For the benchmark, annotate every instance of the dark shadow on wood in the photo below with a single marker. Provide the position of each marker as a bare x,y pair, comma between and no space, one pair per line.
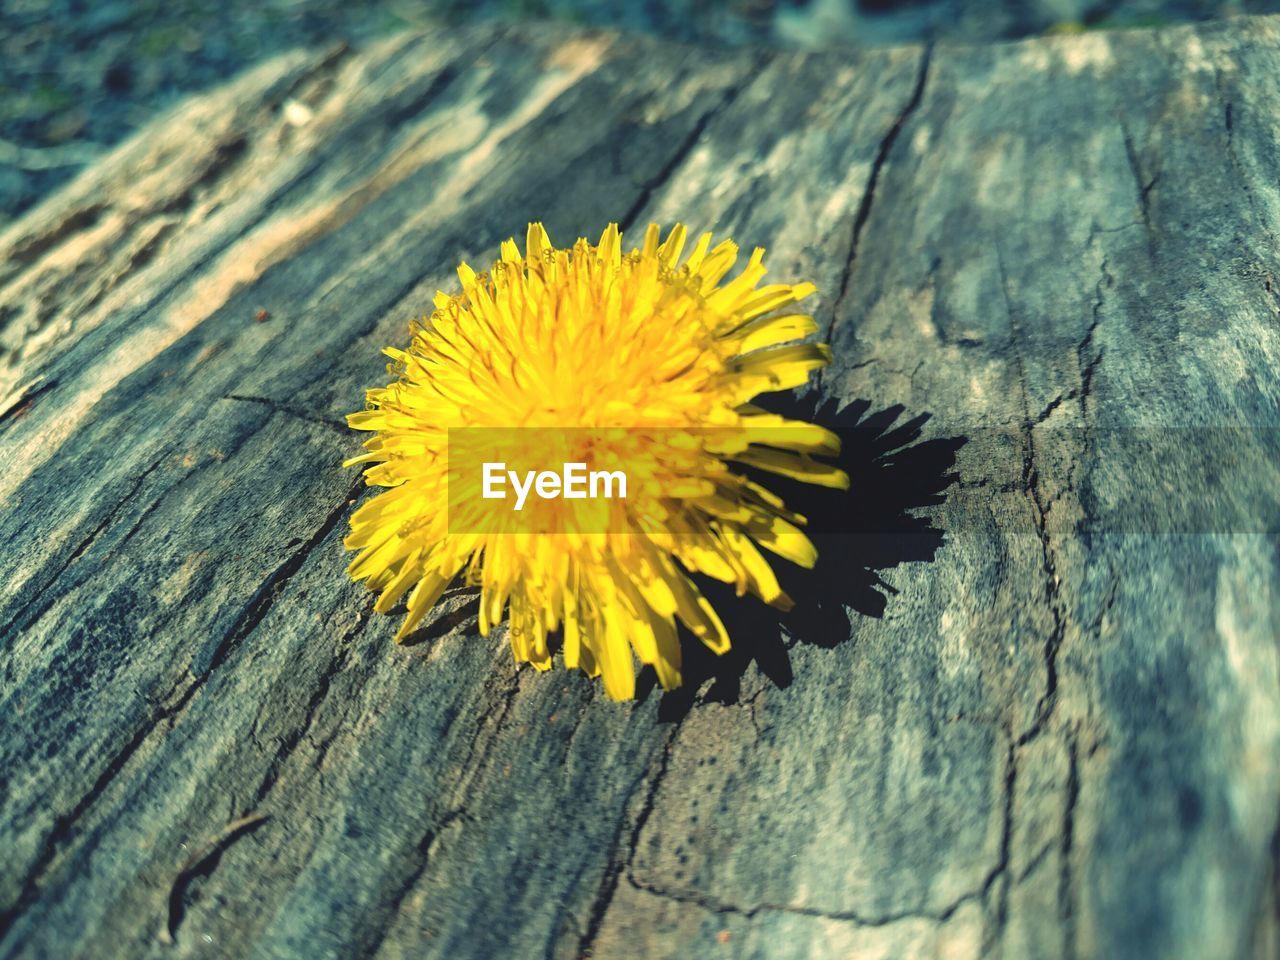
859,533
446,621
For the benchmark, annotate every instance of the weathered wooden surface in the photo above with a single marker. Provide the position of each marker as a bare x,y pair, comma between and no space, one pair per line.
1048,724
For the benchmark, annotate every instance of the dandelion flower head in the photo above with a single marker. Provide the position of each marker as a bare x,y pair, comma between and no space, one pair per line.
635,359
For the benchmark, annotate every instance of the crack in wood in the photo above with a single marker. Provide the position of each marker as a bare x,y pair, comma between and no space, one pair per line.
1145,185
380,929
1089,367
1242,178
1066,888
998,913
229,150
1031,486
32,247
293,411
202,863
1036,860
682,151
863,213
244,624
24,402
30,612
234,144
208,658
714,905
619,866
289,743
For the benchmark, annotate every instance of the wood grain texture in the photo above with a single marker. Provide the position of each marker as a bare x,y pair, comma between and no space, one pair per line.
1037,717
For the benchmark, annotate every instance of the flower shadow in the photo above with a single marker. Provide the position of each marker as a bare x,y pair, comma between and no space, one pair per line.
859,533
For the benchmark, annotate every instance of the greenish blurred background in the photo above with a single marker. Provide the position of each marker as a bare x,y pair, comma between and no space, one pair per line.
77,77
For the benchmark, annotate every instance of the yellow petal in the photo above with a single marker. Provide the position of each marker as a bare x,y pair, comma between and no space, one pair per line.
797,467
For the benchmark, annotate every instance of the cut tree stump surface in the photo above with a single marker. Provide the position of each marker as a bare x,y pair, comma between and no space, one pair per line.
1038,717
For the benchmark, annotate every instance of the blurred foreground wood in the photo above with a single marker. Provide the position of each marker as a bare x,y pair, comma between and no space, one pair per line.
1039,717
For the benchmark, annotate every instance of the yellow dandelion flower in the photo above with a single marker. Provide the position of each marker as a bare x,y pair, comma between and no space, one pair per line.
630,361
